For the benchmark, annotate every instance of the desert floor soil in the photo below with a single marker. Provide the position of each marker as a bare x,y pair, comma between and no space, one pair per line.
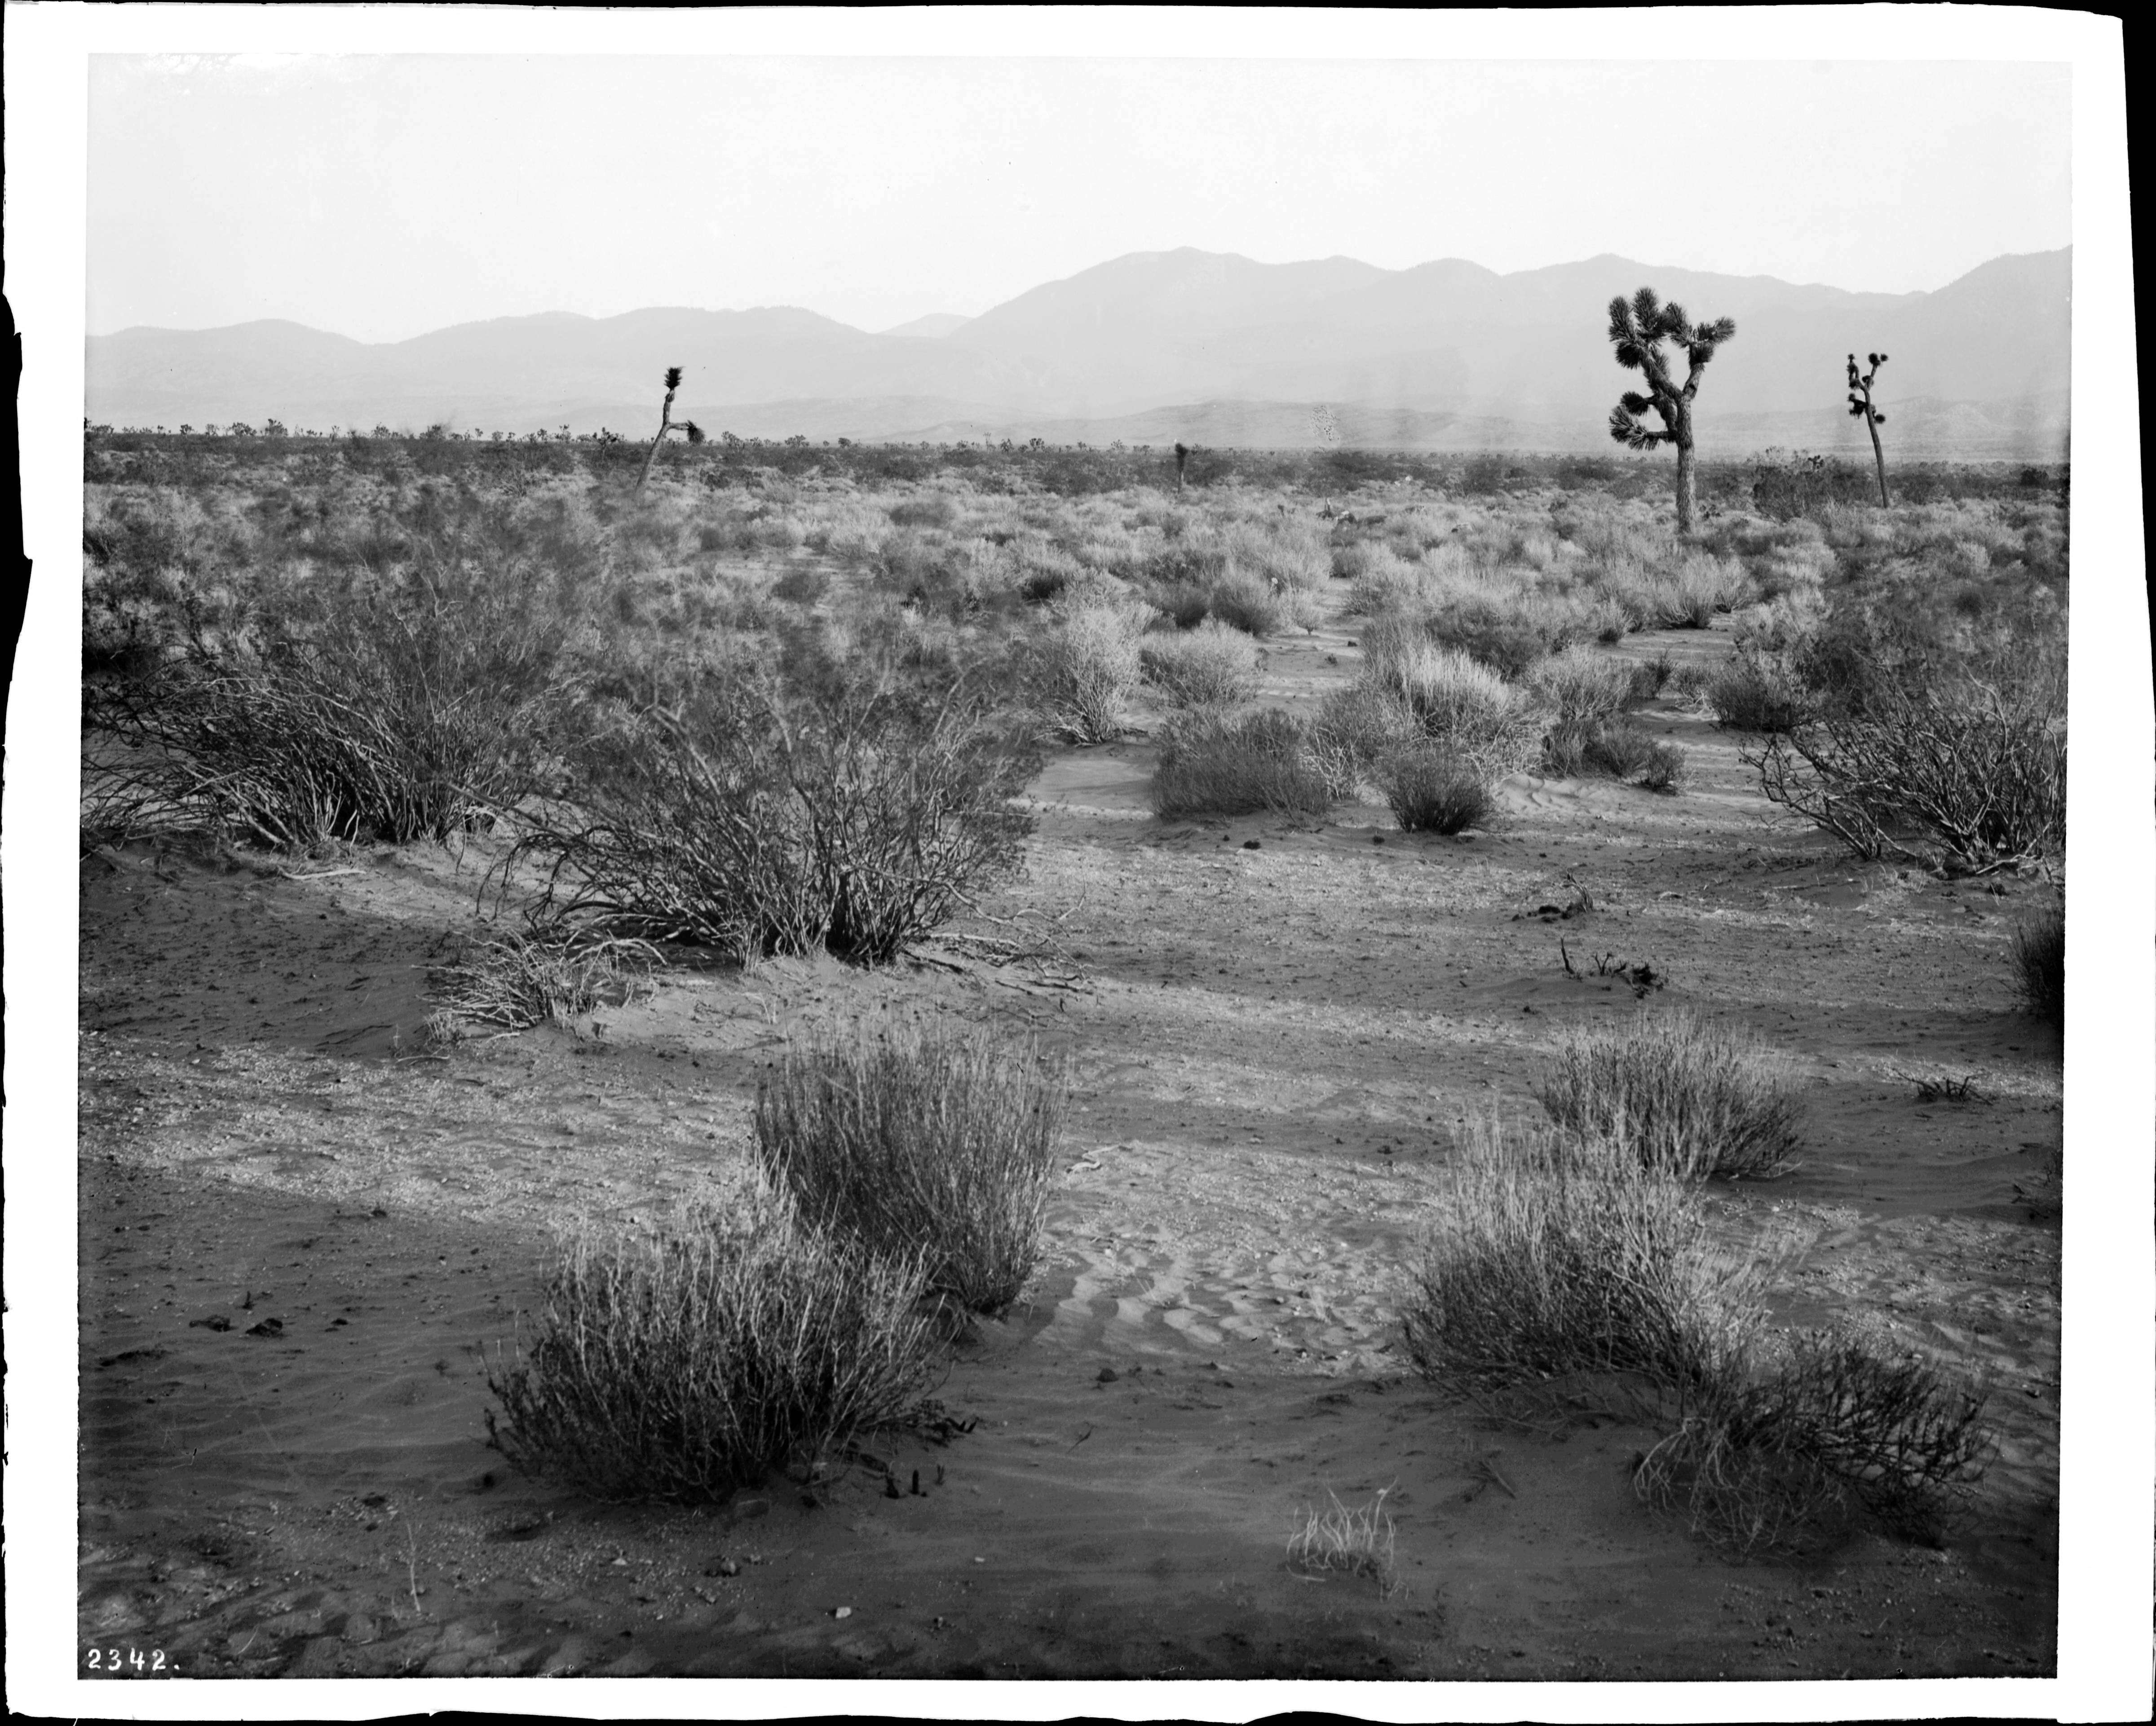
303,1241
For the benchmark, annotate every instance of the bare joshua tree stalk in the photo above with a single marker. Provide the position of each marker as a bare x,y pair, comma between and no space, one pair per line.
1639,328
1873,418
666,423
1181,455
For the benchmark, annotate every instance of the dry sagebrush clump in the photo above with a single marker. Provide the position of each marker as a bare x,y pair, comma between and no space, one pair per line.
1556,1268
2040,963
1691,1098
850,816
1430,789
679,1364
1210,764
1211,665
937,1143
1090,668
1546,1254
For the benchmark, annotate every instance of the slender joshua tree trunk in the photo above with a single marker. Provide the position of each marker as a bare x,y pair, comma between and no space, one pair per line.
665,418
1687,481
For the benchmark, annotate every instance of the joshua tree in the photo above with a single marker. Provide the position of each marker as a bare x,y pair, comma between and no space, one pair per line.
1639,328
1181,455
666,424
1873,418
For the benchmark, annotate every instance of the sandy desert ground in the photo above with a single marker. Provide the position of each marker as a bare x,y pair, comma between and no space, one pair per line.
301,1237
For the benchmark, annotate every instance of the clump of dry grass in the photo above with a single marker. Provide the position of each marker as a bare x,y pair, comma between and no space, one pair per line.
1456,699
1691,1099
1547,1254
2039,958
1824,1432
1341,1541
681,1365
517,981
941,1144
1090,668
1430,789
1209,666
1582,686
1212,765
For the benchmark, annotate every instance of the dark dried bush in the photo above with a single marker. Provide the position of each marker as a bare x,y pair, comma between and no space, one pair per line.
1209,764
850,815
1430,789
2039,958
408,711
1953,771
939,1144
680,1365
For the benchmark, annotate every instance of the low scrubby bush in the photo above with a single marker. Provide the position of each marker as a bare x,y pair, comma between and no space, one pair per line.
1212,765
2040,961
1664,769
849,816
1547,1254
1090,669
408,711
1430,789
1951,770
1357,728
1823,1433
1209,666
1616,747
1756,692
1582,685
1692,1100
680,1365
938,1144
1245,601
1552,1263
1488,722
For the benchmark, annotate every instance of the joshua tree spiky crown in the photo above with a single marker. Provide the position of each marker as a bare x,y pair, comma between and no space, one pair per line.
693,432
1860,408
1638,326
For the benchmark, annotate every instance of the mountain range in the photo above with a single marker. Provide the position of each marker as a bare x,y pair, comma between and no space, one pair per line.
1157,347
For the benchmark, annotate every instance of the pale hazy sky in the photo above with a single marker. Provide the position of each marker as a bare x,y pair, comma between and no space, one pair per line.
381,197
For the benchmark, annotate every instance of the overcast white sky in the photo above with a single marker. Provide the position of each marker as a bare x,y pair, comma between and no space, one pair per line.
381,197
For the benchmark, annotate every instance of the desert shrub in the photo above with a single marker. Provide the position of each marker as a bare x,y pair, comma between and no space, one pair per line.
408,711
2040,961
1648,678
1508,642
1245,601
1756,692
1583,685
1355,729
1284,554
848,815
1823,1432
1212,665
1951,770
1456,700
1184,604
680,1365
520,980
941,1144
1615,747
1691,1099
1430,789
1212,765
1546,1255
1090,669
1665,768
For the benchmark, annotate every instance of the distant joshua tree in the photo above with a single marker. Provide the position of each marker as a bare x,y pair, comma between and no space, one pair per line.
665,424
1873,418
1181,456
1639,328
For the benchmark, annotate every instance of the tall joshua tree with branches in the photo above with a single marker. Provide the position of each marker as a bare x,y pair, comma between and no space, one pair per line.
1638,326
1860,403
694,431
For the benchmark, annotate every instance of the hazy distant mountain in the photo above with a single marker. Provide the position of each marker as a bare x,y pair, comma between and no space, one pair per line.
935,326
1159,346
